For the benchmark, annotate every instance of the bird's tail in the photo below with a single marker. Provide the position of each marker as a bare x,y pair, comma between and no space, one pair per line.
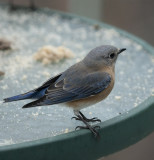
33,94
20,97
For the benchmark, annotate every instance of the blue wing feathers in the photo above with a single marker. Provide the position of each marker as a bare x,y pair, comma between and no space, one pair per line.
64,88
80,89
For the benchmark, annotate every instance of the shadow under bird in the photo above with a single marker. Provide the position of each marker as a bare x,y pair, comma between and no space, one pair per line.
83,84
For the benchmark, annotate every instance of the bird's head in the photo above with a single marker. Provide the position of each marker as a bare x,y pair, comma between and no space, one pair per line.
105,55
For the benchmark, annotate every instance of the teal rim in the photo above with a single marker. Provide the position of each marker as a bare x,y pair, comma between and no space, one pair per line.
116,133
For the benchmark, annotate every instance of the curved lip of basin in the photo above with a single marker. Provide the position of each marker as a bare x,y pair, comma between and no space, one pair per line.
116,133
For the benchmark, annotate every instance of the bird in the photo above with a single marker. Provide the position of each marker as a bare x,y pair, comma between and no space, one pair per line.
81,85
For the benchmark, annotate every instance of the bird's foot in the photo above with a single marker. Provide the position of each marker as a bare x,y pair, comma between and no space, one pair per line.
92,129
82,118
95,119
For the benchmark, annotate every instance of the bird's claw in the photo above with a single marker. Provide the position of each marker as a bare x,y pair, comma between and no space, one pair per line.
92,129
95,119
85,120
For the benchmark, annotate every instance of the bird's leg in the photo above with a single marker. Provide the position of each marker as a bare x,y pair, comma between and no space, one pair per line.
88,126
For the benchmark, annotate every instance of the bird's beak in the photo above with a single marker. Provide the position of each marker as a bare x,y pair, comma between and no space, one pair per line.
121,50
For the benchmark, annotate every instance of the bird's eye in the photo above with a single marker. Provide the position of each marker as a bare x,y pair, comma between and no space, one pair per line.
112,55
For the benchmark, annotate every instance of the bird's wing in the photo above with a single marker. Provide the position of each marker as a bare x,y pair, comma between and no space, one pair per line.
66,90
49,82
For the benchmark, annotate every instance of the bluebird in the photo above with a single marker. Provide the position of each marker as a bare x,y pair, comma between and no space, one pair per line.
83,84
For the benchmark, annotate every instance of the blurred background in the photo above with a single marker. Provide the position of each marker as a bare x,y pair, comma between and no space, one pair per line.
134,16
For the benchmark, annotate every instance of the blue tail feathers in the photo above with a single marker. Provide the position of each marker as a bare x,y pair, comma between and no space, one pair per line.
19,97
36,93
29,95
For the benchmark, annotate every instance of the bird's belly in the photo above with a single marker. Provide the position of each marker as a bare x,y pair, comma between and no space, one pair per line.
82,103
